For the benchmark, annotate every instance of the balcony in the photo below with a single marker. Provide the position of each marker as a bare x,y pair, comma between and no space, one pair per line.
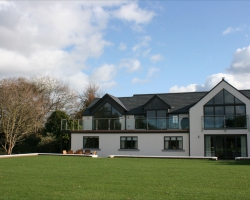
225,122
126,124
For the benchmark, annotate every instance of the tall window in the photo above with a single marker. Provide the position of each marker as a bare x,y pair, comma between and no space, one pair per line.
157,119
107,118
107,111
129,143
91,142
224,110
173,142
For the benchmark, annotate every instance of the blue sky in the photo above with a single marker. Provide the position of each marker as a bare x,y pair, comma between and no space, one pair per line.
128,47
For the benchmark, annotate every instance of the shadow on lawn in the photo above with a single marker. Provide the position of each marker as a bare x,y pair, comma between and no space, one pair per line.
233,162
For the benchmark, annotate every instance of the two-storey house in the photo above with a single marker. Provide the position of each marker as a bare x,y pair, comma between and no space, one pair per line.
213,123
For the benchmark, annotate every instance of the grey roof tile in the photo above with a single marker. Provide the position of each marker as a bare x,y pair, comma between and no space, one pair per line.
180,102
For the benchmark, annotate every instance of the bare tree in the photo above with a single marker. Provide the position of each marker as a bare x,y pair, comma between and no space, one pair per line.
89,94
57,95
21,111
92,91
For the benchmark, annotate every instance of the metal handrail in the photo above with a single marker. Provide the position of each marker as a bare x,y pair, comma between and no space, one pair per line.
148,123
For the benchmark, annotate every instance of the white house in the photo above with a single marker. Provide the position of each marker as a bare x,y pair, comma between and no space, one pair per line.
213,123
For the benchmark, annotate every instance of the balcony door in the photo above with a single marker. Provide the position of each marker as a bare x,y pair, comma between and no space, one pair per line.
225,146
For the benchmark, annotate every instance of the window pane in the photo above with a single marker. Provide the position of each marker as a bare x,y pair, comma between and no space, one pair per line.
129,142
161,113
219,122
173,144
173,138
237,101
240,110
179,138
166,144
209,110
134,144
211,102
90,142
208,122
229,98
219,110
115,113
230,122
209,146
229,110
167,138
107,107
179,144
218,99
151,113
107,111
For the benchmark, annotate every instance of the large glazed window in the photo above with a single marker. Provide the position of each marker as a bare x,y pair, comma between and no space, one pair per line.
224,111
226,146
129,143
173,142
107,111
107,118
91,142
157,119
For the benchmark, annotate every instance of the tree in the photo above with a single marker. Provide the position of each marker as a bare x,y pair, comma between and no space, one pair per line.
53,124
21,111
57,95
89,94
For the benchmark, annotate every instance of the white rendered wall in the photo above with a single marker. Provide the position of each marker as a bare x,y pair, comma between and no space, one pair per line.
196,112
87,122
130,122
149,144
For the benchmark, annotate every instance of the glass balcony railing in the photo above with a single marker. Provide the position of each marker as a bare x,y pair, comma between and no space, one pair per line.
125,124
225,122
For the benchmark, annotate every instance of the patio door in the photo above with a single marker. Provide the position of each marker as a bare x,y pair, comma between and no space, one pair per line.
225,146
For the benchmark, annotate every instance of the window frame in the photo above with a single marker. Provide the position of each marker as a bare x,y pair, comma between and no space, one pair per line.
126,144
217,120
94,146
170,146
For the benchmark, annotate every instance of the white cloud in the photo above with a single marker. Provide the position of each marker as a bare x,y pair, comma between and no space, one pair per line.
241,61
57,37
144,42
230,30
140,81
122,46
189,88
156,57
104,73
131,64
131,12
152,71
237,75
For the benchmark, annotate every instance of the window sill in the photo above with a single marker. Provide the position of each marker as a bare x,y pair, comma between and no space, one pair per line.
97,149
227,128
173,150
128,149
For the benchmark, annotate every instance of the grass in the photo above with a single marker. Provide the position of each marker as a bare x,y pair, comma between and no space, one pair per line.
56,177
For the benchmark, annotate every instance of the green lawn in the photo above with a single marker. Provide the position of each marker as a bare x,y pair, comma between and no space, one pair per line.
65,177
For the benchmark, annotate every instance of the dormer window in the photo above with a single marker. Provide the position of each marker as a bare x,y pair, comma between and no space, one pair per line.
107,111
107,118
157,119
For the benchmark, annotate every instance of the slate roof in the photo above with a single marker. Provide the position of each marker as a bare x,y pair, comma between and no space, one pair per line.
180,102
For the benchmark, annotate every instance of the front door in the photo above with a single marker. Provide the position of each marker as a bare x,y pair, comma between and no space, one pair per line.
225,146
